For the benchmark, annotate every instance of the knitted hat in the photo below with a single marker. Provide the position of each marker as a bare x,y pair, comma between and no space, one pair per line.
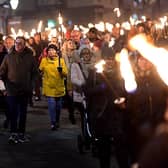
53,47
82,47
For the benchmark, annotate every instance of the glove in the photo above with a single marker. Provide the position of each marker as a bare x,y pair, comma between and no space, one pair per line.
59,69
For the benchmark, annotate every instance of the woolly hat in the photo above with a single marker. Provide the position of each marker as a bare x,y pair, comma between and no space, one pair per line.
53,47
82,47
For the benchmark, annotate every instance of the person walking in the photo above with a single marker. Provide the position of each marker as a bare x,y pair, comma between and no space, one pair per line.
107,115
69,52
18,71
54,70
146,106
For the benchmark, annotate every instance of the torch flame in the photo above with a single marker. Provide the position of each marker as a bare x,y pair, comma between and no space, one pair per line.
60,19
126,72
117,10
158,56
39,26
99,66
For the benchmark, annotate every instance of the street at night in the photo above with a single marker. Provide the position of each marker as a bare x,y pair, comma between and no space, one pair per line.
83,84
46,148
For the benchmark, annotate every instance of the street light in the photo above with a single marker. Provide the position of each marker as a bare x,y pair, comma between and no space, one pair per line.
7,5
14,4
10,4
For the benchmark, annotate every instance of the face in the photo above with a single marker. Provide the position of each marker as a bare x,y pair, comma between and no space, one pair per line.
110,62
9,43
31,41
140,29
19,45
144,64
70,44
116,32
75,35
107,37
37,38
52,53
54,40
85,54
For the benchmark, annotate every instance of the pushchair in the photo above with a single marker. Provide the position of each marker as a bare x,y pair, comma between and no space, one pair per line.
101,147
87,141
85,138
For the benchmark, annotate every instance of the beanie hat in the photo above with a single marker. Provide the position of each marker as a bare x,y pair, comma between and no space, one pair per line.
53,47
82,47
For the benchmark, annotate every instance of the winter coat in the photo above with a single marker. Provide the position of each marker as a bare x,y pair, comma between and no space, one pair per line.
52,80
148,102
19,71
78,81
146,107
106,119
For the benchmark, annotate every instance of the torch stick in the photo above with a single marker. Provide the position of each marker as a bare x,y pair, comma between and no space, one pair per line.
99,67
60,21
59,54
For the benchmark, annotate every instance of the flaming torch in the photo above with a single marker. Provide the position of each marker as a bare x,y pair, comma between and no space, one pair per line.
39,26
99,66
119,100
158,56
60,21
126,72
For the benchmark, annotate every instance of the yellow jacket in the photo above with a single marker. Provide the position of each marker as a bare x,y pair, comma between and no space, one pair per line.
52,80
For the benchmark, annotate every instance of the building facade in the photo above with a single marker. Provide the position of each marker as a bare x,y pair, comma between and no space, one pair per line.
73,11
30,12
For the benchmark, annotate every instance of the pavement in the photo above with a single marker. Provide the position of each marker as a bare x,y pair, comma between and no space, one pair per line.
46,148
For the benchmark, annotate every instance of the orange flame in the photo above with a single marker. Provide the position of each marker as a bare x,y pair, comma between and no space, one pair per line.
158,56
99,66
126,72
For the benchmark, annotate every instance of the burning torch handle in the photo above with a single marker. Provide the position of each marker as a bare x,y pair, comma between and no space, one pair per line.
119,100
59,55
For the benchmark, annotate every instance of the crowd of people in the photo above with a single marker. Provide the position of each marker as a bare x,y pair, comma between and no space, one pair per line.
65,70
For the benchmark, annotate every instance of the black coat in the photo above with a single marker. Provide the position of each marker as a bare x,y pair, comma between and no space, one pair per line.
148,102
106,119
155,153
19,71
146,107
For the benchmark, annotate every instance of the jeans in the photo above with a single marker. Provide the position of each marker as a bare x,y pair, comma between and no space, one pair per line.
18,113
54,107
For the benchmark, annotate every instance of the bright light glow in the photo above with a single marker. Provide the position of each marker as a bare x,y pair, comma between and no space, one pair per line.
90,25
14,34
99,66
100,26
111,42
20,32
39,26
109,26
127,72
158,56
14,4
117,10
60,19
